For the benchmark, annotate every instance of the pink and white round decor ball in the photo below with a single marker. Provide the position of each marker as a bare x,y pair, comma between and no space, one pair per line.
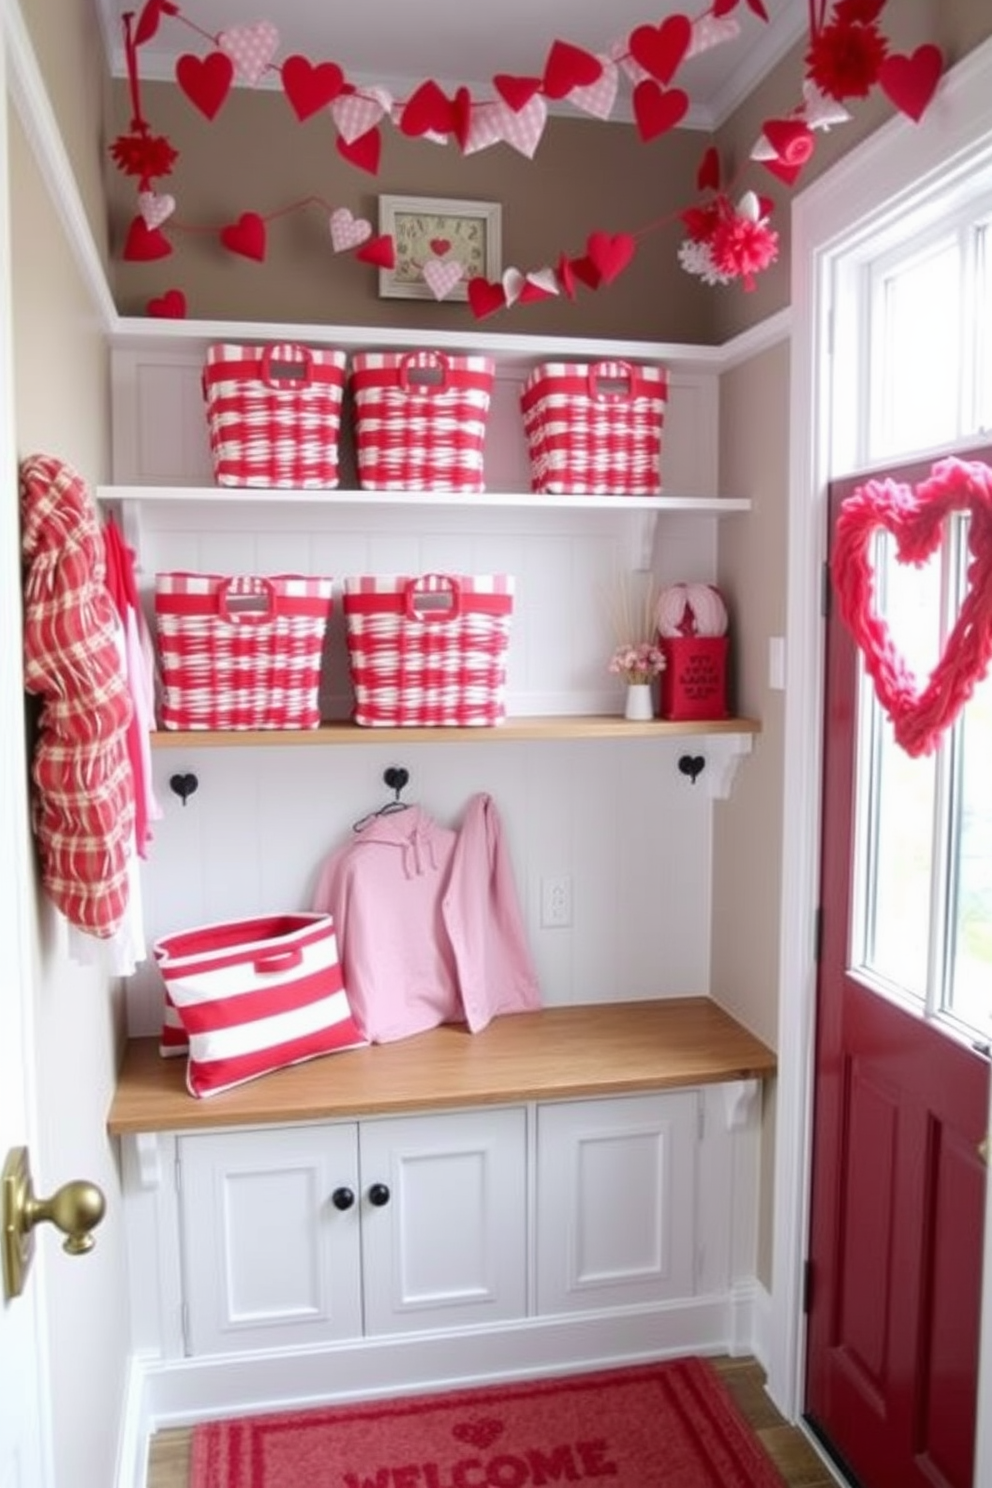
691,610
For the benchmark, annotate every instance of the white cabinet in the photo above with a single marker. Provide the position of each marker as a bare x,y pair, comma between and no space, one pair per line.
306,1234
616,1201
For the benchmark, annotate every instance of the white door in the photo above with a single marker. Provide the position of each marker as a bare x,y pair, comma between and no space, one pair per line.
23,1459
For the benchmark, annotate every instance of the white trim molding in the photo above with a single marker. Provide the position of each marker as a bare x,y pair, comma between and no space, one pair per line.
902,170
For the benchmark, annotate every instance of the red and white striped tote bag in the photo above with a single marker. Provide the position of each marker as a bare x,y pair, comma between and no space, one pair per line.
420,419
274,414
428,650
240,652
256,995
595,428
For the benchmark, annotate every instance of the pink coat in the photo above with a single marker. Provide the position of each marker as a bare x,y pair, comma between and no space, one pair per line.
428,923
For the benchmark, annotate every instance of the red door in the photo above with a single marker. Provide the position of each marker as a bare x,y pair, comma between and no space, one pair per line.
898,1183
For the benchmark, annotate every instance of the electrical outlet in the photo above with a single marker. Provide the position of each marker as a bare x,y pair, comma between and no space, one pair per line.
556,902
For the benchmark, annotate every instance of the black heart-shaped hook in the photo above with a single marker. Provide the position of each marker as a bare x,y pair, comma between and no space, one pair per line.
184,786
692,765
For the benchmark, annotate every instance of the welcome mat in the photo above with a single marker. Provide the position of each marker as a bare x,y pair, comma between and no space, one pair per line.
671,1424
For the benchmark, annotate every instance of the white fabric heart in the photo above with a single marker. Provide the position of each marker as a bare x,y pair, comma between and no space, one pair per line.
762,150
513,283
598,98
356,113
347,231
155,209
821,111
441,276
544,279
250,48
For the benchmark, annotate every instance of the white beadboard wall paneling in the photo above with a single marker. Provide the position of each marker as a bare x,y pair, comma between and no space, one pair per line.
622,823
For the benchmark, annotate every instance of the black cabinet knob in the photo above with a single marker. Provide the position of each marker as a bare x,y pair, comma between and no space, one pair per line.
342,1198
378,1195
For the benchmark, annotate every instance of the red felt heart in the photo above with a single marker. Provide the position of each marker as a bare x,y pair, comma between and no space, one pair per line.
708,175
791,139
206,81
428,110
586,272
569,67
530,291
657,110
169,306
788,173
143,243
660,49
439,246
916,518
610,255
516,91
379,251
364,152
310,88
461,116
246,236
485,298
566,278
910,82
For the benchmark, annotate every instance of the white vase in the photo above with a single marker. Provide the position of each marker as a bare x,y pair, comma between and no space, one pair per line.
640,703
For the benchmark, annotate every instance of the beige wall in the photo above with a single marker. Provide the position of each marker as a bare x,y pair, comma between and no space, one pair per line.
69,49
61,408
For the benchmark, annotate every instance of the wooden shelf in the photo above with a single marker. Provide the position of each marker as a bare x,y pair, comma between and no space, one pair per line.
553,1054
549,729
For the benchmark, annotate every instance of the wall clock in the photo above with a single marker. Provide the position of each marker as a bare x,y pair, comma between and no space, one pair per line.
442,237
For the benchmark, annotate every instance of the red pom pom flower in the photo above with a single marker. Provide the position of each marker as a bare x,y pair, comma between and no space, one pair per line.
143,155
845,58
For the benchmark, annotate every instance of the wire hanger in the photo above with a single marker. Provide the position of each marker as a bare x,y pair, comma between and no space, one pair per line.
396,777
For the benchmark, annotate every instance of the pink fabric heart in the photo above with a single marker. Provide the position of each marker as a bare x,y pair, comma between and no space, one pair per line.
442,275
915,517
599,97
250,48
155,209
485,128
522,128
347,231
354,114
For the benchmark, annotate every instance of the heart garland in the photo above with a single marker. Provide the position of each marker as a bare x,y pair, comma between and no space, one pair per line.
916,520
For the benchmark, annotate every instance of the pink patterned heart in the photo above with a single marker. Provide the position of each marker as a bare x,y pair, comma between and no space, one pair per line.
356,113
916,518
442,275
154,208
522,128
599,97
347,231
250,48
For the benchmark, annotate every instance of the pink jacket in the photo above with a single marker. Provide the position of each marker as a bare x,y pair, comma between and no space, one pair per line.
428,923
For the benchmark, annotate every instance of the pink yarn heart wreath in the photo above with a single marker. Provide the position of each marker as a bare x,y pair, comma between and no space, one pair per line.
915,518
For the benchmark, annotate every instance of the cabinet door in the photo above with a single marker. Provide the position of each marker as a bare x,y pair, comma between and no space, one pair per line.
616,1201
447,1246
268,1257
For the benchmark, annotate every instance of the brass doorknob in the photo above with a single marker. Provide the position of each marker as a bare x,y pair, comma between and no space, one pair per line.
76,1209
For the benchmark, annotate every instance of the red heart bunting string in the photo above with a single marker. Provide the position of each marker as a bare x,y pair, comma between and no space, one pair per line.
848,56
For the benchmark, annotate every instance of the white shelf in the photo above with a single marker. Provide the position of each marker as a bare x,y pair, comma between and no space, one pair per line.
717,506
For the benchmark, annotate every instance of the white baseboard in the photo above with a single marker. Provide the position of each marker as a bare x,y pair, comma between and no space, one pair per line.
165,1393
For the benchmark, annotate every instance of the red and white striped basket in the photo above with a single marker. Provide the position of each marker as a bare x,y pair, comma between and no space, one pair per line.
274,414
420,419
240,652
594,428
256,995
428,650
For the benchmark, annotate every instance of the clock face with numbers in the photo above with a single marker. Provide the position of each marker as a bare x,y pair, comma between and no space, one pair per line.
459,240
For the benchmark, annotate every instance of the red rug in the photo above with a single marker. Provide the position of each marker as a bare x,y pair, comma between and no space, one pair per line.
671,1424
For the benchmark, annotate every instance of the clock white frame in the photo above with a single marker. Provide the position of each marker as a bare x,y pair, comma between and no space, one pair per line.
489,214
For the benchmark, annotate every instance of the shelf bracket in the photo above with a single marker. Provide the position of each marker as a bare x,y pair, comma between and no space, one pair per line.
715,766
